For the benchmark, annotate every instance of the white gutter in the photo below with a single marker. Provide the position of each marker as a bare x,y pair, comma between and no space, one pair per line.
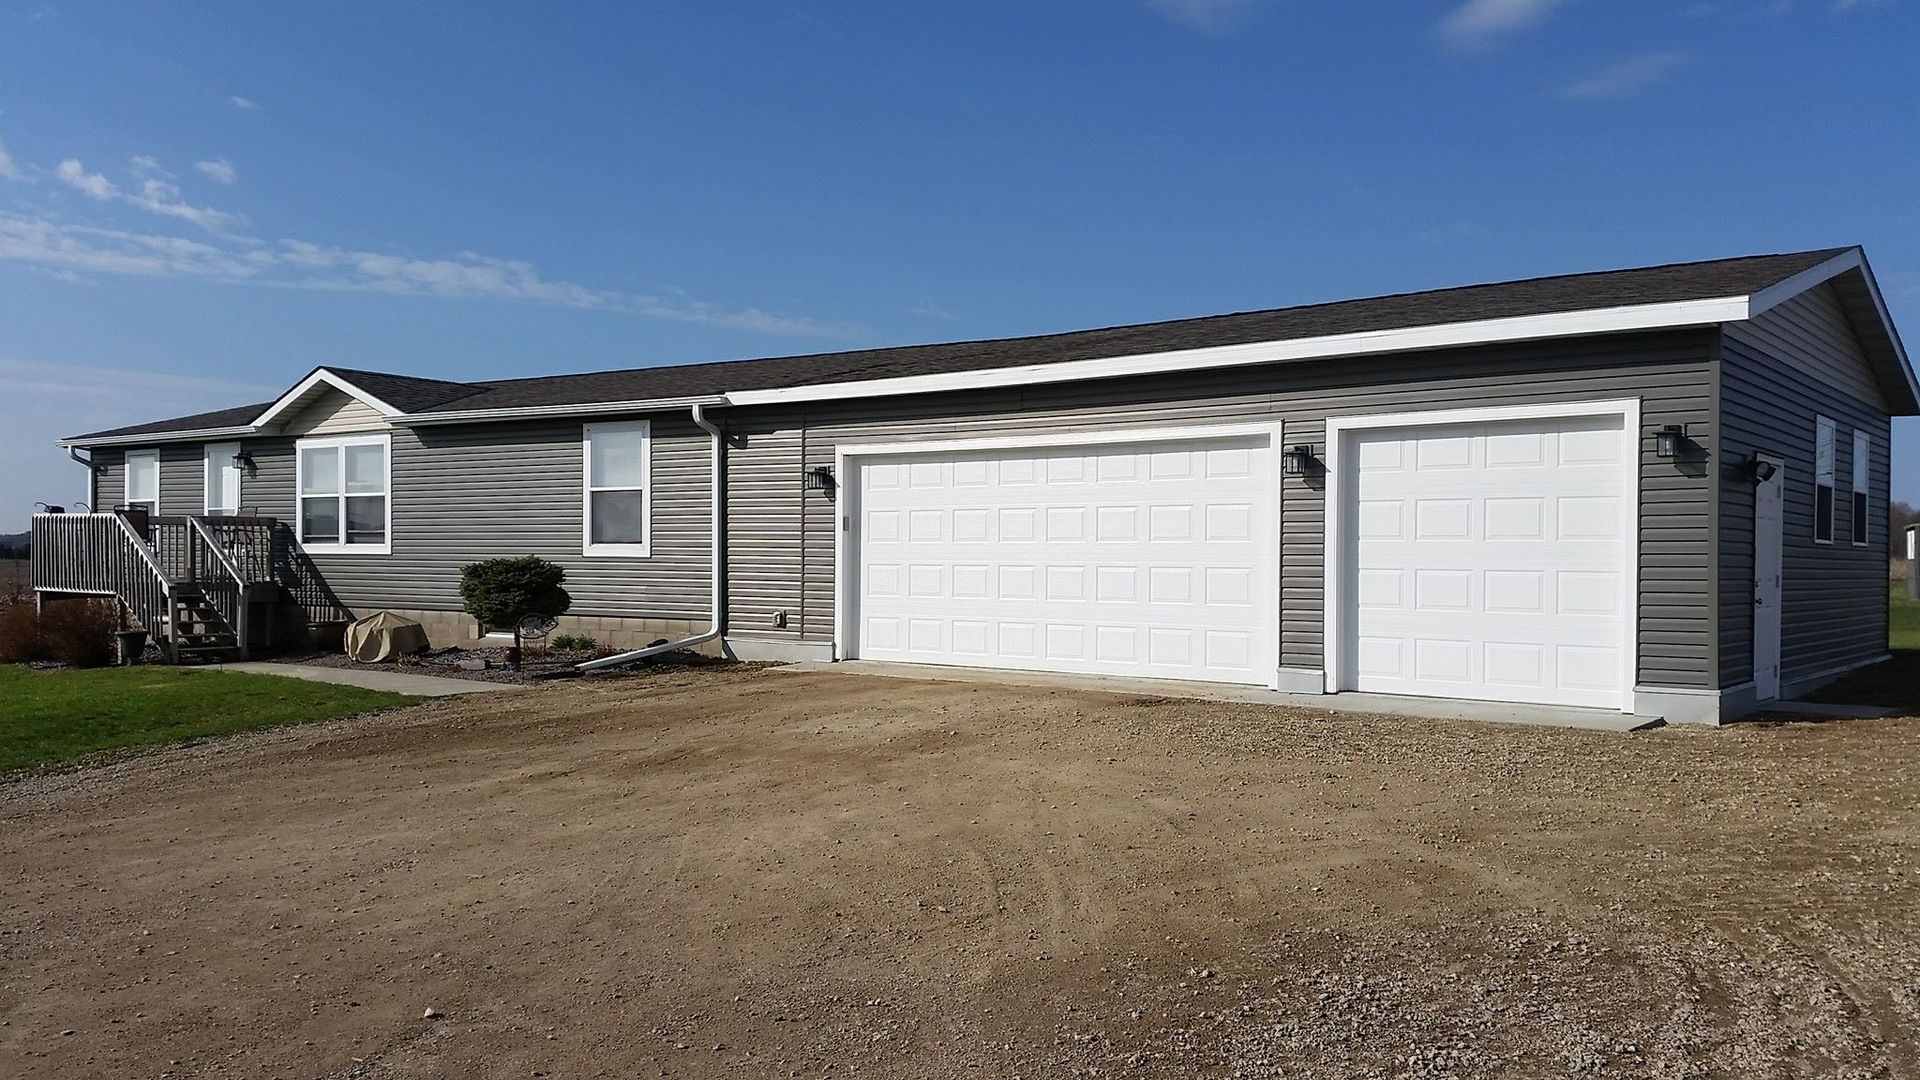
527,412
719,564
152,438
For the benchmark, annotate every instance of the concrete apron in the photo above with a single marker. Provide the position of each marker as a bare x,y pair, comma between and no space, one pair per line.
393,682
1379,704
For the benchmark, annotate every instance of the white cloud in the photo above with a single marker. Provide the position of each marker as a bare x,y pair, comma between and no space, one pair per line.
8,170
220,172
242,103
1207,16
926,308
86,249
1626,76
1479,24
94,185
155,196
148,165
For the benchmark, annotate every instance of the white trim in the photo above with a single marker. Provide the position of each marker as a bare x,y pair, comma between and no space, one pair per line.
1854,259
126,478
595,408
381,439
644,548
319,377
846,542
1443,335
152,438
207,467
1335,584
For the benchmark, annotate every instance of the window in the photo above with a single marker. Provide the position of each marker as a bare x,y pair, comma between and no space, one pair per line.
619,507
344,504
1862,455
143,480
222,480
1822,480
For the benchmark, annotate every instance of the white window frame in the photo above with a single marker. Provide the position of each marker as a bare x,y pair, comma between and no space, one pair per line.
126,486
1860,506
212,466
1825,436
300,446
644,548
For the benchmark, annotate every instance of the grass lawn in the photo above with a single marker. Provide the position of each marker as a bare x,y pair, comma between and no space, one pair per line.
1903,627
52,716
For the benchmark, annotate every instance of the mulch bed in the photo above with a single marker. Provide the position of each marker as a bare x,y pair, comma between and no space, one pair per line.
536,665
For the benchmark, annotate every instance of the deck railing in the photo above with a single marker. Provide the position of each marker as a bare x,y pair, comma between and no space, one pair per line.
103,555
220,579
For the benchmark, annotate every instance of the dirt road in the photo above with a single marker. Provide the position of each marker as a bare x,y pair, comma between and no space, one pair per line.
743,873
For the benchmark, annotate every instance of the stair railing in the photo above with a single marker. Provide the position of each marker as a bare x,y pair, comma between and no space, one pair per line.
220,579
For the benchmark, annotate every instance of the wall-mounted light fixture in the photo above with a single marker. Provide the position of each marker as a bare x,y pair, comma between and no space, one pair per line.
1668,440
1758,470
818,478
243,461
1297,461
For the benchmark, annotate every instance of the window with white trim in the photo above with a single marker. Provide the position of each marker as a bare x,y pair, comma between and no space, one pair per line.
1862,455
344,483
221,478
143,481
1822,480
618,507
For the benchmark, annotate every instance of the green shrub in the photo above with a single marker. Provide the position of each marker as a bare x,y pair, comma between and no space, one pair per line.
20,639
501,592
574,643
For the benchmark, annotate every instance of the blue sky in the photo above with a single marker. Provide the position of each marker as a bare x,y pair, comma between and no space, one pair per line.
200,202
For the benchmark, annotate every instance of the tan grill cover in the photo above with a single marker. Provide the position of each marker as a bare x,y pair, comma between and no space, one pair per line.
383,636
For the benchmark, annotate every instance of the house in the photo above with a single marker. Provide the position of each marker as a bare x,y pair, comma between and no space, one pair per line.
1658,490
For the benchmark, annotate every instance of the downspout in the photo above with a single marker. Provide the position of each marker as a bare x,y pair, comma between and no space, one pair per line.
719,566
93,477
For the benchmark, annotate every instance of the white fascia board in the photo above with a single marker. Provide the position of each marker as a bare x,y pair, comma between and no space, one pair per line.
1444,335
154,437
321,376
534,412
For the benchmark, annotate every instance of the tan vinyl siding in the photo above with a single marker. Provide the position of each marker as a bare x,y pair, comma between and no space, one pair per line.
773,569
333,413
1778,372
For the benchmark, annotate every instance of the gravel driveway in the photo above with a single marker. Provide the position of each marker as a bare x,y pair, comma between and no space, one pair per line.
751,873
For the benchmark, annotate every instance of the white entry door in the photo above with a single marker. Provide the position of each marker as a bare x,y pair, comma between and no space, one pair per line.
1149,559
1768,532
222,478
1490,561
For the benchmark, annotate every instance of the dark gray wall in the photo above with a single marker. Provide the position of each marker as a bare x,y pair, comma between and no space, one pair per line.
470,492
781,538
1777,372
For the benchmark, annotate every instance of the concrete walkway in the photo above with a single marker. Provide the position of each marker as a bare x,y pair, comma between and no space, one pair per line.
393,682
1376,704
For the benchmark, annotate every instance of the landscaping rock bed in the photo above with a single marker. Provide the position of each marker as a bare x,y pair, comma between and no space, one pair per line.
490,664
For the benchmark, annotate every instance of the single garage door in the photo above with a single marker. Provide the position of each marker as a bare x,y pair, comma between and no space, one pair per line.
1491,560
1153,559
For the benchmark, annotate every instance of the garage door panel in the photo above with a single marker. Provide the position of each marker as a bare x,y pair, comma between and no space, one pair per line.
1490,560
1117,560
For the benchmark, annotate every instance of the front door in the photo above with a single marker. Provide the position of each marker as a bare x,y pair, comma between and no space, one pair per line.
1767,533
222,479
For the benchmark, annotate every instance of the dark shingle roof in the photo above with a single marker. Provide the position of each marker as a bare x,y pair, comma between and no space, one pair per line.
239,416
1535,296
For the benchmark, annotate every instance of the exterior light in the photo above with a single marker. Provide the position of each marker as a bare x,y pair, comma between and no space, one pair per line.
243,460
1759,470
818,478
1667,440
1297,460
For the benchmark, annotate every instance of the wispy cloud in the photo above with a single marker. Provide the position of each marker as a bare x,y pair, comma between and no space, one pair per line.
88,249
926,308
154,195
148,165
243,103
8,170
220,172
1627,76
1207,16
1482,24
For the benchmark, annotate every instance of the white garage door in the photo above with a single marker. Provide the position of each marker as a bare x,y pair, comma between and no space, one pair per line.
1153,559
1491,561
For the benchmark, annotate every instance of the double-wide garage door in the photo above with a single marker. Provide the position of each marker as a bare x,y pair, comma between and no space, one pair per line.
1154,559
1483,560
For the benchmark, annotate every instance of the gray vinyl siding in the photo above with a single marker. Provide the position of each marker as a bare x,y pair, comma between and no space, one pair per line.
777,563
1777,373
470,492
182,477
